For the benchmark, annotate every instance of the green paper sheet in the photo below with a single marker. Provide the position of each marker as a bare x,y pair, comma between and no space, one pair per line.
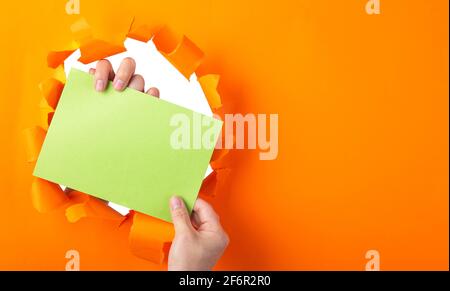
119,146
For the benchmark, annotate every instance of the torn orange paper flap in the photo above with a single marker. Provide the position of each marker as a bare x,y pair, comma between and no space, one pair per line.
127,218
150,238
59,74
181,52
141,31
76,197
219,154
34,137
45,115
166,40
86,206
57,58
91,48
222,149
214,182
46,196
95,49
51,90
209,85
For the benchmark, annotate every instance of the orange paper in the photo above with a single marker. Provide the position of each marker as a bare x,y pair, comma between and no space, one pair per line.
142,31
81,31
51,90
55,59
87,206
179,51
96,49
214,182
209,85
46,196
34,137
150,237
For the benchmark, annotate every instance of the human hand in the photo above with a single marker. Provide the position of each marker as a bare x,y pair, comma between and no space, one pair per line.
124,77
199,240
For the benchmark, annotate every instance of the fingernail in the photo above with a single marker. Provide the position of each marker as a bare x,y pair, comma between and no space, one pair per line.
175,203
119,84
99,85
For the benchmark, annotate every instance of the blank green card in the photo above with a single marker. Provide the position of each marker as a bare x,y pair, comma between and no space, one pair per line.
126,147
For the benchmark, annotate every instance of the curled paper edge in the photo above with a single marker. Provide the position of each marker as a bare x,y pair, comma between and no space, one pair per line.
209,85
59,74
51,90
141,31
46,196
214,182
97,49
183,54
150,245
46,115
34,138
220,153
91,48
90,207
57,58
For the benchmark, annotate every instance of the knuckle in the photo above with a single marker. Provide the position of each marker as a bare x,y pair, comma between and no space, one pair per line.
123,75
138,78
99,75
153,91
129,61
102,69
103,63
179,213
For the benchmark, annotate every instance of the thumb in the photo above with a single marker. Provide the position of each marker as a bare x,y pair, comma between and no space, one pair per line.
180,215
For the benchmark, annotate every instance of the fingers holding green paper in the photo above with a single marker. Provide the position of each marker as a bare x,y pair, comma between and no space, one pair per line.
125,77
